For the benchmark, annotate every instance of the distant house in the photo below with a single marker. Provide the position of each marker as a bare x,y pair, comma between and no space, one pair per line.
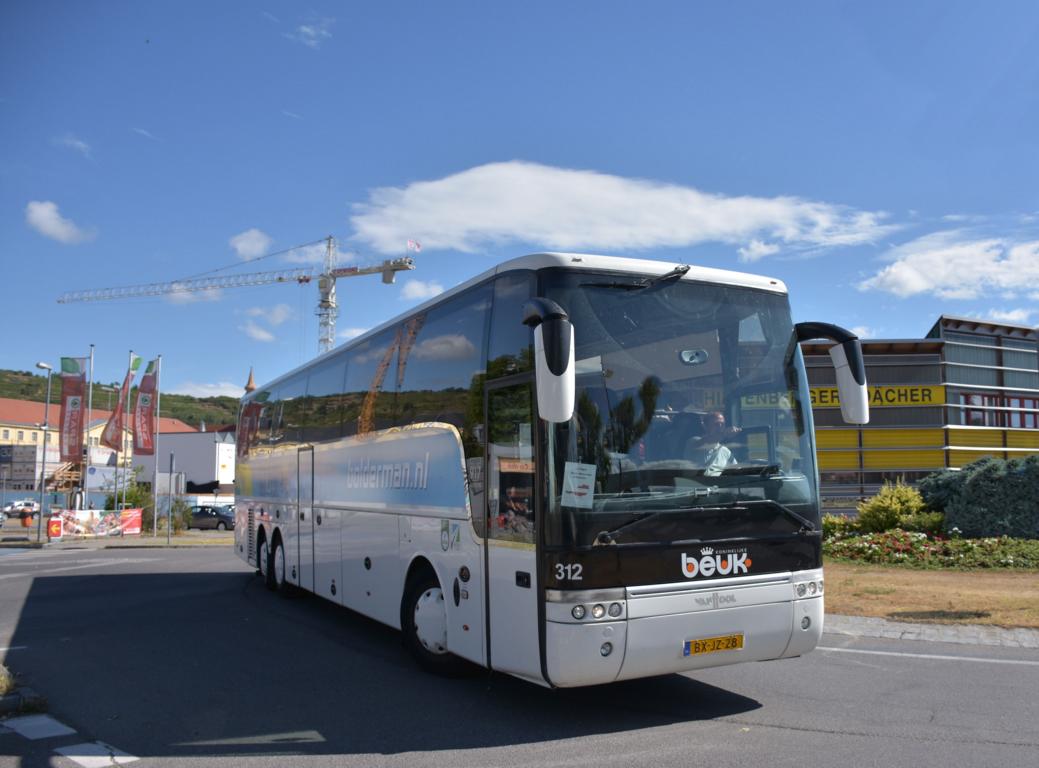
22,442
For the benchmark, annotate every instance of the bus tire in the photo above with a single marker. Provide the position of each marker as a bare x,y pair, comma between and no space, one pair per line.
263,561
278,575
424,623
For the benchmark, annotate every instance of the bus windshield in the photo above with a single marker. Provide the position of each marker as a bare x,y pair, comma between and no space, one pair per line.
692,422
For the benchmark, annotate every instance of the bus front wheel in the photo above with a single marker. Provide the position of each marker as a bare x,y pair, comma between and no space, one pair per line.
424,622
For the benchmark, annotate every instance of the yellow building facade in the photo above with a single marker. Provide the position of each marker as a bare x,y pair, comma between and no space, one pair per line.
970,389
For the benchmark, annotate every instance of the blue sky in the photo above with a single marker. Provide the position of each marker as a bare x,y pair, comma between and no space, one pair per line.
881,158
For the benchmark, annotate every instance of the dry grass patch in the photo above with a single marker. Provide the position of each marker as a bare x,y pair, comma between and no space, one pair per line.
1002,598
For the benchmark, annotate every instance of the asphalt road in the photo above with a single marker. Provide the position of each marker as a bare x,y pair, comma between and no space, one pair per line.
182,657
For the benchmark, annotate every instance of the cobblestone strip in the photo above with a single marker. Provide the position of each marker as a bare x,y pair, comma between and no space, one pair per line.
964,634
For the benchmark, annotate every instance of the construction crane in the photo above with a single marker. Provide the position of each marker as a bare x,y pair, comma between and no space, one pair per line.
327,308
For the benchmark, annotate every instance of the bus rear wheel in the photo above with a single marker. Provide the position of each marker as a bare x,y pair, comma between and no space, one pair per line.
281,584
263,560
424,623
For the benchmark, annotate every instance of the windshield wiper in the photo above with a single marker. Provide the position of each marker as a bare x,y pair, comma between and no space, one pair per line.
607,537
668,277
807,526
604,538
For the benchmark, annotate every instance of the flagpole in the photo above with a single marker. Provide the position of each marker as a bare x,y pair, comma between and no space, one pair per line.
155,450
90,418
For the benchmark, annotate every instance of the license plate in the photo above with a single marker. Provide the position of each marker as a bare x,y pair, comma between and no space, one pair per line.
713,644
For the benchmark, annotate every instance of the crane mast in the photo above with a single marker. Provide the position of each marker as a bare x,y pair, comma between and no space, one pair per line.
327,308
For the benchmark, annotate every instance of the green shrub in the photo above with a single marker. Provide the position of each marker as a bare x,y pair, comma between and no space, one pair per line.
181,517
886,510
998,498
940,488
931,523
836,526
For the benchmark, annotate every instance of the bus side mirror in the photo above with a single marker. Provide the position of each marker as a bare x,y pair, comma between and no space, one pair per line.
846,355
553,358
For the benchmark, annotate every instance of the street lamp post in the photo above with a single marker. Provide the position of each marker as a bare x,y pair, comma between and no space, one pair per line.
43,464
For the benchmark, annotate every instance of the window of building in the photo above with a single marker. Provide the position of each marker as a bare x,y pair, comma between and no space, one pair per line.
35,437
7,434
1023,412
21,435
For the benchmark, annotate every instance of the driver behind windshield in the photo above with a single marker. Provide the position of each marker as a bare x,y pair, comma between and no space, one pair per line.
707,449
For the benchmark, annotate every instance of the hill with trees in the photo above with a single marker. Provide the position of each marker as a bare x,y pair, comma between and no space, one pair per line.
214,411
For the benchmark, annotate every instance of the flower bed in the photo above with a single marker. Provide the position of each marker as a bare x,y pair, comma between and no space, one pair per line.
919,550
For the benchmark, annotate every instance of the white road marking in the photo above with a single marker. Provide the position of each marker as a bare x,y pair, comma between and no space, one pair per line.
292,737
93,564
95,754
934,656
37,727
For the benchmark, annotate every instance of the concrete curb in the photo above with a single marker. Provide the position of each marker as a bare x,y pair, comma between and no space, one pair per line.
963,634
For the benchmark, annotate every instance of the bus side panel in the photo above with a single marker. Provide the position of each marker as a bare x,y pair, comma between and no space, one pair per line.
451,545
372,580
328,555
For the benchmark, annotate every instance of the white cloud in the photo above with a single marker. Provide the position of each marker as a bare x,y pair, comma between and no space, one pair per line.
43,216
253,331
451,346
1012,316
350,333
306,254
218,389
144,133
864,332
270,17
416,289
313,33
955,264
756,250
251,243
293,115
567,209
181,295
71,142
275,315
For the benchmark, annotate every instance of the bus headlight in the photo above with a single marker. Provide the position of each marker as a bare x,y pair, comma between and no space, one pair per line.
598,611
615,610
808,588
578,612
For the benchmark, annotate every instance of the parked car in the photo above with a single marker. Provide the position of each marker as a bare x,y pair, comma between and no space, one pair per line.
21,508
209,516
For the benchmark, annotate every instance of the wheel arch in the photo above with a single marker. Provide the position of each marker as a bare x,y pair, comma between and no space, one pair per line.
419,566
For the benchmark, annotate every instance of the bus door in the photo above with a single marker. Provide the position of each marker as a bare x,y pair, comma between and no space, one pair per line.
512,589
305,517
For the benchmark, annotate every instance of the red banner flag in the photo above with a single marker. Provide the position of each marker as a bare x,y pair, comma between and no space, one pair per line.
113,434
73,407
144,412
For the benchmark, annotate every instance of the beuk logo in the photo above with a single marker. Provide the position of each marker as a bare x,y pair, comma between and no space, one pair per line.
710,564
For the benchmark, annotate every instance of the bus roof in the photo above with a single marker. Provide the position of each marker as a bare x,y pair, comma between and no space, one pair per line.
536,261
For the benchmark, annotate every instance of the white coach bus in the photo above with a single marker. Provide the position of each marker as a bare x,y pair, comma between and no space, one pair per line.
573,469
